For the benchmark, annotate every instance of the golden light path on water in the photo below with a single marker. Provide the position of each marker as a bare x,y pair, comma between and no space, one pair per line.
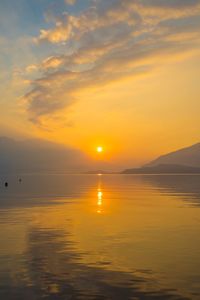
99,196
144,229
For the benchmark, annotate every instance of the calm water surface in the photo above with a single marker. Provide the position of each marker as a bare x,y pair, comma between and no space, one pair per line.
100,237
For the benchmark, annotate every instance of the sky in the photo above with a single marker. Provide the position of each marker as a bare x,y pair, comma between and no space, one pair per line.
121,74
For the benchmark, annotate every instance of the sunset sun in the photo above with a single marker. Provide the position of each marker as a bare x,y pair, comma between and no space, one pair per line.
99,149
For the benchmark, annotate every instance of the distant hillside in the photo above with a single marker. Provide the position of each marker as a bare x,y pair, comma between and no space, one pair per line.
189,156
39,156
163,169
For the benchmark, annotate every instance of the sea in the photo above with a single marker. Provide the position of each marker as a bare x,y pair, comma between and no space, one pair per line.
69,236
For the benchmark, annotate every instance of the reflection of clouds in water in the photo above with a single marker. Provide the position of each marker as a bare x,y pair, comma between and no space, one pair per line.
54,271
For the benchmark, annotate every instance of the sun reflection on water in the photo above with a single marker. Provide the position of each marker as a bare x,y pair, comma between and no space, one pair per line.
99,198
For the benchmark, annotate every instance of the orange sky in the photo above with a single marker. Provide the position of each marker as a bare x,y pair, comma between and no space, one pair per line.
125,78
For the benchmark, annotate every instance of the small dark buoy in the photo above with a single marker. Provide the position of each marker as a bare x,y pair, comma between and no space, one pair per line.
6,184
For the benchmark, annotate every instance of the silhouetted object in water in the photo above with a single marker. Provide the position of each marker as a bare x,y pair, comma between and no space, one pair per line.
20,180
6,184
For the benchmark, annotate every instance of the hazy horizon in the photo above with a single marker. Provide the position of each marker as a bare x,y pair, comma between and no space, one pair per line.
39,156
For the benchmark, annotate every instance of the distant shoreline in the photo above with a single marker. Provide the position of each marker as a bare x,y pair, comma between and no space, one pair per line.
163,169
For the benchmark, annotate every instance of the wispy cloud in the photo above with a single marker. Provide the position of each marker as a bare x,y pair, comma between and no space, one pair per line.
109,41
71,2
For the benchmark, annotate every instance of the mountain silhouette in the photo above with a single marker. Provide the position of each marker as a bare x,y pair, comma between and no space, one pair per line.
186,160
189,156
39,156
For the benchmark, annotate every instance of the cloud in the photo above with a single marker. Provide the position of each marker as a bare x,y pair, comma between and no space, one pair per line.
70,2
110,41
52,62
31,68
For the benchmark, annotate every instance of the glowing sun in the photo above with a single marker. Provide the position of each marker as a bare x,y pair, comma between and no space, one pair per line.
99,149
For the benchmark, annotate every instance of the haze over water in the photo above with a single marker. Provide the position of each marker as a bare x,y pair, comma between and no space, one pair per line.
100,237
